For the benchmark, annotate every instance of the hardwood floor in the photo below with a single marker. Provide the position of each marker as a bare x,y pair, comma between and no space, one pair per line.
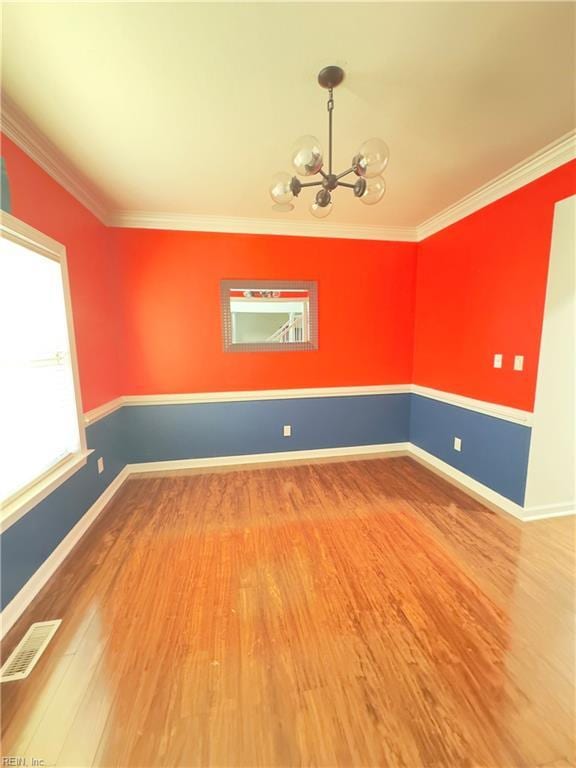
359,613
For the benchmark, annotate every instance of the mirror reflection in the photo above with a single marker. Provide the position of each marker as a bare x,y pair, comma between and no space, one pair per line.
269,316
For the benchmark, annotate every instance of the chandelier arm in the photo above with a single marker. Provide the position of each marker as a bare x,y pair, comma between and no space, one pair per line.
346,184
312,184
345,173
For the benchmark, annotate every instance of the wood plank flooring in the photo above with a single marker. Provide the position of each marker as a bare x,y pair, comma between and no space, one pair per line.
352,613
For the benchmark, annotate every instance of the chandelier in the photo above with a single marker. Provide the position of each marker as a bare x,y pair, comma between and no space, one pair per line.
307,160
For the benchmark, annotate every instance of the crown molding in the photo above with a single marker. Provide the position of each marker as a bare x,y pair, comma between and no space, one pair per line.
20,129
547,159
240,225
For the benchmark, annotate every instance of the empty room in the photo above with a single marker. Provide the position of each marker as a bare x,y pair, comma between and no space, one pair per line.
287,382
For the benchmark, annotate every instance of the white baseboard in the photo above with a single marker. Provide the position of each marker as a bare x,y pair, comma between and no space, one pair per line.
477,490
550,510
486,495
267,458
22,600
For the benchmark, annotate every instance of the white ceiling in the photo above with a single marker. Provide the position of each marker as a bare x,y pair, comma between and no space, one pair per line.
191,107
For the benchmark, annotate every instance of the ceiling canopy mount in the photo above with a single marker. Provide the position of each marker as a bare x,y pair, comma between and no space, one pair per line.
330,77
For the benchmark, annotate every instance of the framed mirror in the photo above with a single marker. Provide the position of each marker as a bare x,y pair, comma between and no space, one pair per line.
269,315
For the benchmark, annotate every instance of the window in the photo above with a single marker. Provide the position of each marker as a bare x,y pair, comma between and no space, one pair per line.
269,315
41,430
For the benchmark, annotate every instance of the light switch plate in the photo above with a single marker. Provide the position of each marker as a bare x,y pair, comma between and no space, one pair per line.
498,361
518,362
287,430
457,444
100,465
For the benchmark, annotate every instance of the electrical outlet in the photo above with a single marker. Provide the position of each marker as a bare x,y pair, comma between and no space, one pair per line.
518,362
100,465
287,430
457,444
498,361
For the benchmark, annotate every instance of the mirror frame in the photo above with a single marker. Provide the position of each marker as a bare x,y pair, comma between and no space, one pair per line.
295,285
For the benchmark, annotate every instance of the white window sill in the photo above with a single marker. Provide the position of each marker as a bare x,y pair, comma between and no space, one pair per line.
16,508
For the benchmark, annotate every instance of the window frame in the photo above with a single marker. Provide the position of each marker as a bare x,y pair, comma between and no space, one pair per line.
13,508
294,346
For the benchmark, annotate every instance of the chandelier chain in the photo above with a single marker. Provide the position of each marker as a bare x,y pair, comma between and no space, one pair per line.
330,111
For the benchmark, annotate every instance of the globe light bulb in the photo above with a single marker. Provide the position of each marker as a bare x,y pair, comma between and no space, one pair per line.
320,211
282,207
372,158
307,156
375,189
280,190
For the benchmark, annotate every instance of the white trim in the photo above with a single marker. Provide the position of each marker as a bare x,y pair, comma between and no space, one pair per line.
477,490
73,351
231,397
20,602
19,232
23,234
102,410
548,158
550,510
25,501
28,237
264,394
39,148
478,406
190,222
268,458
20,129
486,495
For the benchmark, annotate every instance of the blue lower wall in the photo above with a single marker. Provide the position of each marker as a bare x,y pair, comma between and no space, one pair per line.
494,451
169,432
27,543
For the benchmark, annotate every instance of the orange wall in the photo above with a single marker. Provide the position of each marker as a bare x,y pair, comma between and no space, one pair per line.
481,286
172,341
39,201
147,315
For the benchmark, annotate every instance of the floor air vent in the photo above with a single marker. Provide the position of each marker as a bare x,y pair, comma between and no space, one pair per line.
24,657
